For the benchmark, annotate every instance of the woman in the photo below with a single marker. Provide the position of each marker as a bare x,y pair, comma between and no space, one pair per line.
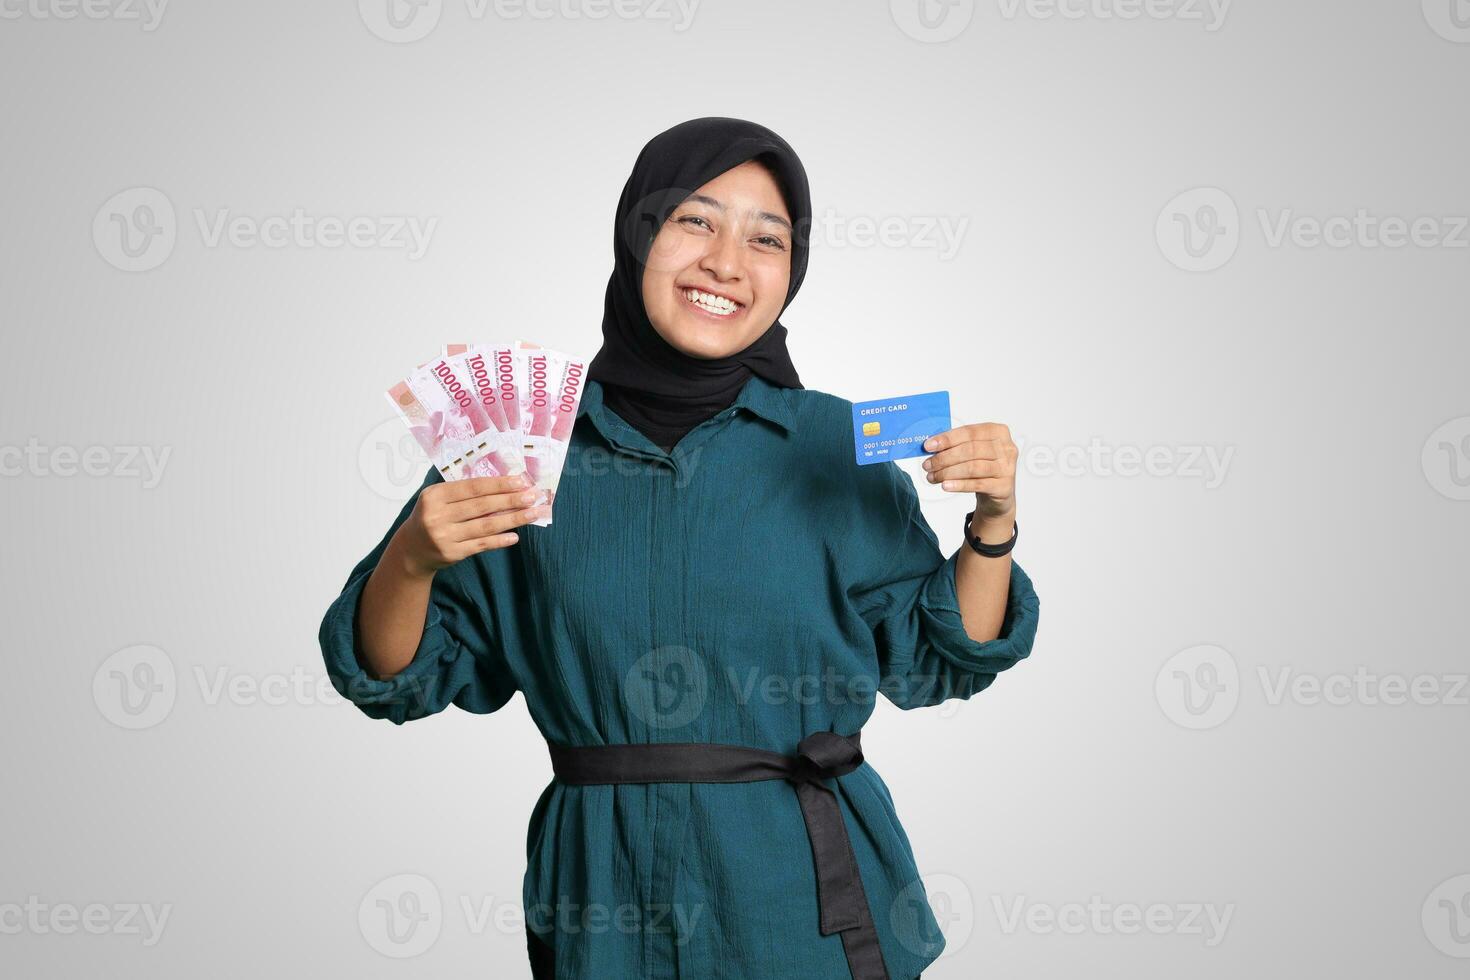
701,633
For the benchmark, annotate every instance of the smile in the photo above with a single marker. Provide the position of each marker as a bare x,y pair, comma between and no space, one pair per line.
714,305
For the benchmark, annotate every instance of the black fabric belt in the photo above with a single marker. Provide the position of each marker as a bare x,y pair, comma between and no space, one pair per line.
841,900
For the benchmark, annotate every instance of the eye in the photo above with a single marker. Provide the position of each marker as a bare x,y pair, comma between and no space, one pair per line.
771,241
695,221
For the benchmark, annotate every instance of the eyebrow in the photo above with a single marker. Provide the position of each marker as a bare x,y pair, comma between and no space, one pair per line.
719,206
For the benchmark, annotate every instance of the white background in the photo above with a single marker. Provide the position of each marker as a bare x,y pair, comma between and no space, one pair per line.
1071,151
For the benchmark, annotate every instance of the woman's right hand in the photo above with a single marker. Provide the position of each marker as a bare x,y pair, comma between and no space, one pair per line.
454,520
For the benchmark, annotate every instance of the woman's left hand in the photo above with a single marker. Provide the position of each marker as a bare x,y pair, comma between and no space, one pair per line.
981,459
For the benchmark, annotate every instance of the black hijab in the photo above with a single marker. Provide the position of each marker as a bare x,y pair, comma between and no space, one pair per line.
656,388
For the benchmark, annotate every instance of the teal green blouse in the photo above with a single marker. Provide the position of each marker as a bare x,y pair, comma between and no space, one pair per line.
752,586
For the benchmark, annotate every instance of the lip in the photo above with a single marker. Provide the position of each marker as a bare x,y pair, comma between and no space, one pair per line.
722,318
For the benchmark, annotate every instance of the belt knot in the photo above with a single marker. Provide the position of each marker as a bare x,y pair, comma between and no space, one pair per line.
825,755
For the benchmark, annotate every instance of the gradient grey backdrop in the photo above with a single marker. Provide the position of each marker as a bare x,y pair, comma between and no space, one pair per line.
1114,284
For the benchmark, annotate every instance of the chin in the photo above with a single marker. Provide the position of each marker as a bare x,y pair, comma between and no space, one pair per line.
702,341
709,348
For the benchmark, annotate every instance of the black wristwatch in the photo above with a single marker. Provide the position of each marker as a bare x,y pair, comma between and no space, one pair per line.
991,550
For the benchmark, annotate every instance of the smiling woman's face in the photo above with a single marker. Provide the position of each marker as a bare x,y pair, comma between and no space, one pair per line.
719,269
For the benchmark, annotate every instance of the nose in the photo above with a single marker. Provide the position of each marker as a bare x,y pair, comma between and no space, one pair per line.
723,259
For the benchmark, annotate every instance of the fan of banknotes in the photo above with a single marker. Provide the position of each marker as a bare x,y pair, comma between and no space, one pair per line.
494,410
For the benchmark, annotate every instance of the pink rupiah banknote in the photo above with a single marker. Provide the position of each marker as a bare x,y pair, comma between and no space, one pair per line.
561,414
490,374
536,420
529,394
453,379
439,406
444,434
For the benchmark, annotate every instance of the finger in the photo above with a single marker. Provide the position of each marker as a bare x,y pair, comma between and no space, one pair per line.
990,486
498,523
477,486
966,433
495,541
494,503
969,468
979,449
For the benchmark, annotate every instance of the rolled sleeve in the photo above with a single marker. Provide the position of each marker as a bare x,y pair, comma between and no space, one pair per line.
939,609
459,659
911,603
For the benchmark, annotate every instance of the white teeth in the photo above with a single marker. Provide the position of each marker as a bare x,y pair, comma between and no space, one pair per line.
708,302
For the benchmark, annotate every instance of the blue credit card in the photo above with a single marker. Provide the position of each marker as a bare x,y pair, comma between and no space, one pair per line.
895,428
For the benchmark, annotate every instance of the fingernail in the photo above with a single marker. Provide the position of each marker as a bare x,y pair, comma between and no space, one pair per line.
525,479
928,465
528,496
931,444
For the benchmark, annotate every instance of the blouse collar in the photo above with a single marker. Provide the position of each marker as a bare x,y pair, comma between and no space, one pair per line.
758,397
